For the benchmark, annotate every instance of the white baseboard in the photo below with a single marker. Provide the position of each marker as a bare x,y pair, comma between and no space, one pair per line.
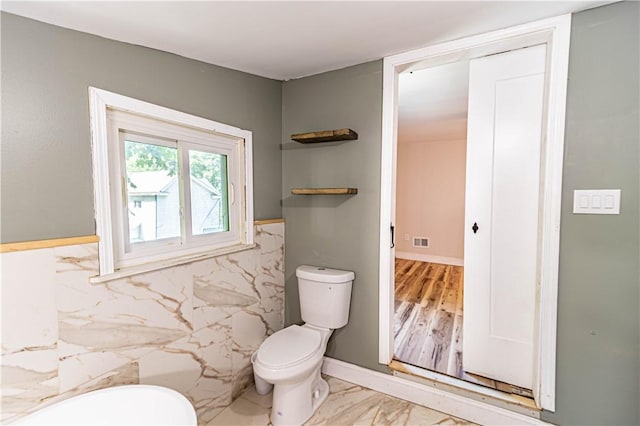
455,261
431,397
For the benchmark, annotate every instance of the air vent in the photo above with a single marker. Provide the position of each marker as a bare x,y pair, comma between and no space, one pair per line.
420,242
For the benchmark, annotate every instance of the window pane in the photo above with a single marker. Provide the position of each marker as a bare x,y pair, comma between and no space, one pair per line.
209,200
153,191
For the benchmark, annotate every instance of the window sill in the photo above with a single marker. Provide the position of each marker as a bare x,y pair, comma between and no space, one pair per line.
154,266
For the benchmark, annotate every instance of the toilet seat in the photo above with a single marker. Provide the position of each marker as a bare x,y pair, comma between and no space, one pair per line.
289,347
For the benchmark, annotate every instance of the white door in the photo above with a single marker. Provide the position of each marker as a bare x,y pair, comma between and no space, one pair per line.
506,93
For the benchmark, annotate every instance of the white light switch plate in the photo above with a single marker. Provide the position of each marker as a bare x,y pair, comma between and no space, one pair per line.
596,201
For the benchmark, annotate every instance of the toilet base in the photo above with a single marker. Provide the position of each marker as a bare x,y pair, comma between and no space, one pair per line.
295,403
262,386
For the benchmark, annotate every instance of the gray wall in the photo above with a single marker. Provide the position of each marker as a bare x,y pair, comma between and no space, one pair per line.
599,312
599,320
46,151
46,178
335,230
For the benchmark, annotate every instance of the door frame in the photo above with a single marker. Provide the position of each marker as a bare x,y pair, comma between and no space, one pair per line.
555,32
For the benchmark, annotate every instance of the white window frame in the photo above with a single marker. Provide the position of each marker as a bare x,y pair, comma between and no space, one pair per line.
187,130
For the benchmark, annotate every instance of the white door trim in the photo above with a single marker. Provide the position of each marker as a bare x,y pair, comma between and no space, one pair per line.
556,33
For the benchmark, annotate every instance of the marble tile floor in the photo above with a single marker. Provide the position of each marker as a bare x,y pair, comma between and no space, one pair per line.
347,404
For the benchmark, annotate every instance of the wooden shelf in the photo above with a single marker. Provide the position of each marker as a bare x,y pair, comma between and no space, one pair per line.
325,136
324,191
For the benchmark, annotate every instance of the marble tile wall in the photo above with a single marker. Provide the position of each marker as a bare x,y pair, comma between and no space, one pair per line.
191,327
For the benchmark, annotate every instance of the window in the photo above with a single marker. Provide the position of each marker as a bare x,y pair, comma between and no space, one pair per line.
170,187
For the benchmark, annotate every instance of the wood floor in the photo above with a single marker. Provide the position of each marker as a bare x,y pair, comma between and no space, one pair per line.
428,320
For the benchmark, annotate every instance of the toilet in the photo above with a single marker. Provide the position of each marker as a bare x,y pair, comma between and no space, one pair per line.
290,359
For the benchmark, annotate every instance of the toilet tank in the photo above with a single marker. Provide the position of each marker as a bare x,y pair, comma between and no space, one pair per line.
325,295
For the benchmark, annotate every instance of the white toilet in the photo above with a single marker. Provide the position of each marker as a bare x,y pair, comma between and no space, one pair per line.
290,359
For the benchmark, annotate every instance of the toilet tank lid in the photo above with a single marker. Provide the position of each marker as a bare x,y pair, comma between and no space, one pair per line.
322,274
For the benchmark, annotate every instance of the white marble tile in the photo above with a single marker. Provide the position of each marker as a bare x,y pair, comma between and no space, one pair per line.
392,411
29,378
245,278
270,241
205,315
270,312
176,368
76,262
198,366
242,412
192,327
210,290
79,366
249,331
124,375
347,404
104,336
270,279
264,401
226,281
127,374
242,375
29,315
29,331
103,326
425,416
160,299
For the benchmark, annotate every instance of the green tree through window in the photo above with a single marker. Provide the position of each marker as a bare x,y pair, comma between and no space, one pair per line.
142,157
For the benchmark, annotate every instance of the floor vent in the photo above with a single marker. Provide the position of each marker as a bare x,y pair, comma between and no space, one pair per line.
420,242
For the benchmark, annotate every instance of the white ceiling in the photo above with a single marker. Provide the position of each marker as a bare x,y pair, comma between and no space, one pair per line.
285,40
432,104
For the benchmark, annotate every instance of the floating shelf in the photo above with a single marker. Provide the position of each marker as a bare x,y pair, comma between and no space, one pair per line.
324,191
325,136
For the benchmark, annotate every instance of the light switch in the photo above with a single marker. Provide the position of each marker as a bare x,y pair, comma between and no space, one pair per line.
584,202
596,201
608,201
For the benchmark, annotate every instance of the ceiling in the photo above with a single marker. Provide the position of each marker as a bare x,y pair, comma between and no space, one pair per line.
290,39
432,104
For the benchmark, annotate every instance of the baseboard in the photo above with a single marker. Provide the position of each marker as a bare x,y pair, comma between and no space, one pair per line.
455,261
431,397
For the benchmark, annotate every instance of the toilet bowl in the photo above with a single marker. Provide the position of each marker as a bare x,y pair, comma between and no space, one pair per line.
291,359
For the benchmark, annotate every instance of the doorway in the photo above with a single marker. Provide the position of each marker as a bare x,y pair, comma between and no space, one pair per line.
430,209
490,107
553,34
